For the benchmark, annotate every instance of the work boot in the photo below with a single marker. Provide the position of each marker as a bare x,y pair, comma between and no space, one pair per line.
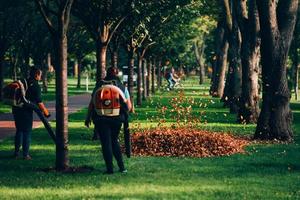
16,155
28,157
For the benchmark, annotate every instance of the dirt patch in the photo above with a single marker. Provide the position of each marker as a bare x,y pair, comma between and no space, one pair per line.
184,142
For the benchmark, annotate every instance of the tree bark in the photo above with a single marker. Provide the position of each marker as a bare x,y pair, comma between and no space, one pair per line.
296,82
25,64
14,66
114,59
222,63
295,57
159,76
45,73
277,22
114,51
131,73
59,36
198,49
153,76
62,159
101,59
139,80
79,65
144,70
249,26
235,72
219,72
149,65
75,68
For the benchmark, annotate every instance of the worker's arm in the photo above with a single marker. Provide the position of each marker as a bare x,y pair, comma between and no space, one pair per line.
44,110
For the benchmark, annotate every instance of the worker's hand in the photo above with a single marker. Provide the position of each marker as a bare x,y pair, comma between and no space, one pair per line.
47,115
87,122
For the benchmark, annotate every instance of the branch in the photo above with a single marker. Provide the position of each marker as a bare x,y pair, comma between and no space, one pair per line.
146,48
48,22
67,11
228,14
115,29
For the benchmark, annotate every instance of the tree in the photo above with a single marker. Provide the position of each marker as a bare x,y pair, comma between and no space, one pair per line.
57,21
249,26
277,22
102,19
220,58
232,91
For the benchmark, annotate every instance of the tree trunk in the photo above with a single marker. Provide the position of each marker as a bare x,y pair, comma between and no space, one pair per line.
79,65
199,57
59,36
62,159
296,83
277,22
25,66
153,77
14,67
139,81
159,76
114,51
295,58
101,59
149,65
221,73
131,73
75,69
114,59
45,76
249,108
235,72
45,79
218,83
42,62
144,72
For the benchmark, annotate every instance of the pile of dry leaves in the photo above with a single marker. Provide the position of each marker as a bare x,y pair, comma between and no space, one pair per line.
185,142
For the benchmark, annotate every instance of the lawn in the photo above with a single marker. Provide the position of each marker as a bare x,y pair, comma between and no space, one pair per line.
72,90
269,171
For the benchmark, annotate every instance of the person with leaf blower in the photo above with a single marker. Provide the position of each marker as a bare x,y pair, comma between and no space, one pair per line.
108,109
23,116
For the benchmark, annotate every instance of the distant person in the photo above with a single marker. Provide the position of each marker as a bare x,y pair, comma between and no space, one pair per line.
23,116
171,78
108,109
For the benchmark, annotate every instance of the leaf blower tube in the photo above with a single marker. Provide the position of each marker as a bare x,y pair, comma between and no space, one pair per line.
36,109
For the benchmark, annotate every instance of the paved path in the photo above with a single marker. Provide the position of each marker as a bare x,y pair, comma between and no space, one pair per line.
75,103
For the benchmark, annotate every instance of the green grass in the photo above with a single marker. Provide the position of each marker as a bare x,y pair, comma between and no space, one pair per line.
50,95
270,171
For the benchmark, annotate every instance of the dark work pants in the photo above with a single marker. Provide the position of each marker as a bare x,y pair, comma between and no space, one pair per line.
108,130
24,138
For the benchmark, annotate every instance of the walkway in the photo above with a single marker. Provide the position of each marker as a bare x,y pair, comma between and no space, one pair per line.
75,103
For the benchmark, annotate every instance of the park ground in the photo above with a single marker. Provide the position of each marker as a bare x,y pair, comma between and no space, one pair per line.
265,171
